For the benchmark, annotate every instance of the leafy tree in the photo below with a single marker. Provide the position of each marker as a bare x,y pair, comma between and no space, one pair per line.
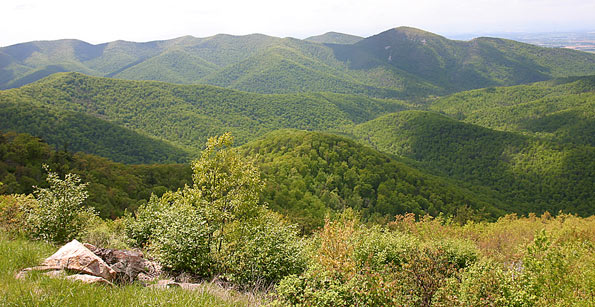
229,183
218,226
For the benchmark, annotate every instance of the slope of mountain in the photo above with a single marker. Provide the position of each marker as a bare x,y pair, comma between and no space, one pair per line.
562,110
457,65
529,174
310,174
185,115
401,62
334,38
113,187
81,132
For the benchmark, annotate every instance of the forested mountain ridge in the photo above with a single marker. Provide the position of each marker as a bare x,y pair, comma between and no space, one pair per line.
76,131
310,174
400,62
334,38
562,109
182,115
113,187
531,174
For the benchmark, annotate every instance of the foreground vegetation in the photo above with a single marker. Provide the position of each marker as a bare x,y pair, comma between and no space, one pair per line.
219,228
41,290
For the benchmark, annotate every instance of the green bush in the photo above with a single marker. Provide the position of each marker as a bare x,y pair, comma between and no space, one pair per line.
485,283
59,215
12,212
181,240
559,268
261,251
217,226
377,248
141,227
106,233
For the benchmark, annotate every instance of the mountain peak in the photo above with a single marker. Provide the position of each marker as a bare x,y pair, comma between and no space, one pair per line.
334,38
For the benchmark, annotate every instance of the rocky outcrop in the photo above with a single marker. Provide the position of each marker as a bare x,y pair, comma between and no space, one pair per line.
76,257
97,265
129,265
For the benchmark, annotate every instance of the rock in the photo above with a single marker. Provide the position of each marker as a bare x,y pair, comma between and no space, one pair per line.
128,264
75,256
89,279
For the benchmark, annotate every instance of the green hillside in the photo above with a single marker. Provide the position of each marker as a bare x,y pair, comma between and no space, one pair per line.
529,174
562,110
81,132
334,38
310,174
401,62
185,115
457,65
113,187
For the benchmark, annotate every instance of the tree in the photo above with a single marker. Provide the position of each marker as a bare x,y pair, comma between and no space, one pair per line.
218,225
229,183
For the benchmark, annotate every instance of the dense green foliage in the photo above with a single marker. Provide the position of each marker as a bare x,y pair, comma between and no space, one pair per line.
396,63
562,110
433,262
456,65
526,174
58,214
77,131
310,174
218,226
187,115
113,187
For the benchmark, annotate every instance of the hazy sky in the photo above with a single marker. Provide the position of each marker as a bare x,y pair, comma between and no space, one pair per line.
107,20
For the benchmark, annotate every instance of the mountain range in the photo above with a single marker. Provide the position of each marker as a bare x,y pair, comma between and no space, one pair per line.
402,121
400,62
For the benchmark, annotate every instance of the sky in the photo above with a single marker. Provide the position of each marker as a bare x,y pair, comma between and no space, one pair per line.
145,20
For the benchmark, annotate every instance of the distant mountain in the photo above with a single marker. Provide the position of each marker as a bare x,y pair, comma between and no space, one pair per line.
458,65
562,110
529,174
335,38
167,122
401,62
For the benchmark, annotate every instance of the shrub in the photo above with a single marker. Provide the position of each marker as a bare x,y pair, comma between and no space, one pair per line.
485,283
106,233
376,248
350,266
140,228
218,225
12,212
261,251
182,239
559,268
59,215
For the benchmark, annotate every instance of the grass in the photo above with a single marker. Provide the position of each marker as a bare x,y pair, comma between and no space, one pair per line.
39,290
